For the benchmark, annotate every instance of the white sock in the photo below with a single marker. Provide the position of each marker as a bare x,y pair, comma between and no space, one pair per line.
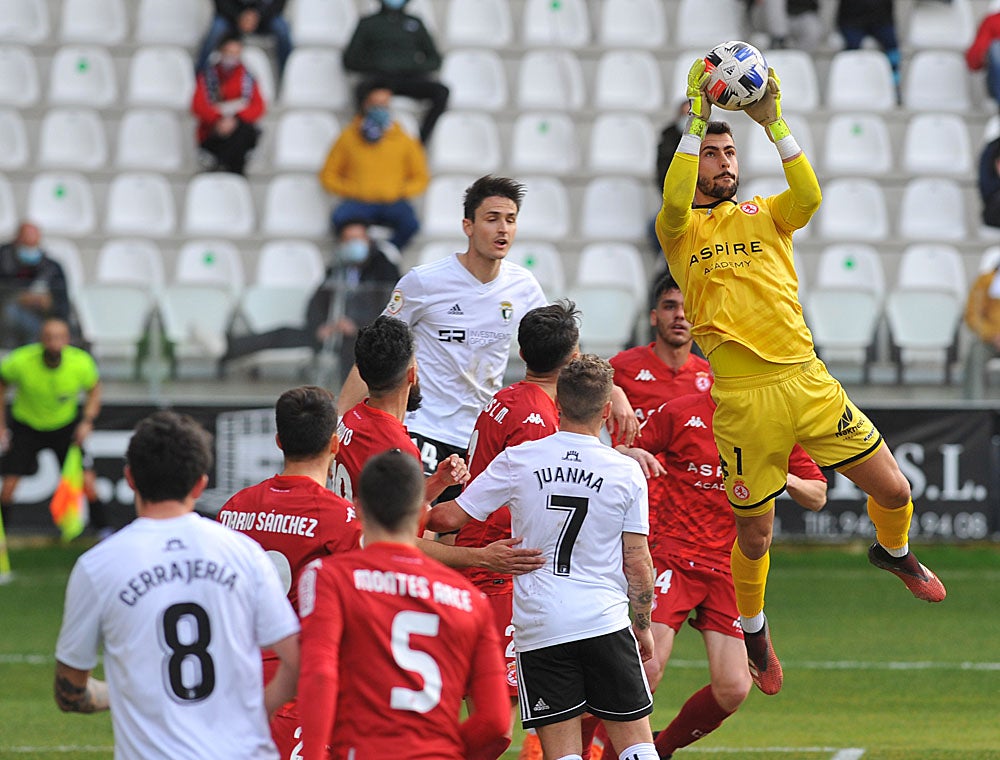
900,552
644,751
577,757
752,624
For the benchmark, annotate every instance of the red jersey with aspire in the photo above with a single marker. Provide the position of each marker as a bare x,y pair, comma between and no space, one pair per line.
694,520
365,432
394,641
518,413
649,383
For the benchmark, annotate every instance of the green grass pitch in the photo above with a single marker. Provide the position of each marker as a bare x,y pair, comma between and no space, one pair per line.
870,672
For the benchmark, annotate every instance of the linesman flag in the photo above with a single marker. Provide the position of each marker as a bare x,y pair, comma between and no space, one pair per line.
67,506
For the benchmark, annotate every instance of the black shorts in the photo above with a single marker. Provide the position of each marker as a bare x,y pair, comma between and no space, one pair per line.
25,443
602,675
432,453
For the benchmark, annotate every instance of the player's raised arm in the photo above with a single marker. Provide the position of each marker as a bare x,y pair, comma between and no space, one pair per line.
446,517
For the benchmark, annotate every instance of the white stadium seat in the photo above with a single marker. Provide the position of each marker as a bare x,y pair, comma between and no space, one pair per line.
114,319
544,142
72,138
632,24
82,75
285,263
104,22
799,82
210,262
941,25
303,138
853,209
442,214
296,205
936,80
616,208
323,22
161,76
131,261
477,80
706,23
465,141
561,24
617,264
989,260
608,313
622,143
8,209
857,144
258,64
219,204
62,203
68,255
860,80
14,139
478,22
937,143
24,21
759,156
544,261
628,80
550,79
932,209
314,78
172,22
140,203
545,212
18,77
150,139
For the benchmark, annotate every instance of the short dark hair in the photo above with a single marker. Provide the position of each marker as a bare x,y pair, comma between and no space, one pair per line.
548,335
584,387
383,351
167,455
228,37
306,419
664,284
488,187
719,128
391,489
365,88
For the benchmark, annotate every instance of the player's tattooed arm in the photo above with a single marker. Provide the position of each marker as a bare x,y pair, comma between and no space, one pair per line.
638,566
77,691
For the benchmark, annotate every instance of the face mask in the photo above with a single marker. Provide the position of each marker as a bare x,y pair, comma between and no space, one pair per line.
373,126
354,251
29,256
394,5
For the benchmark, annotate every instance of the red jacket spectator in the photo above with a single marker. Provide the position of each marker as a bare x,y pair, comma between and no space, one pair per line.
217,85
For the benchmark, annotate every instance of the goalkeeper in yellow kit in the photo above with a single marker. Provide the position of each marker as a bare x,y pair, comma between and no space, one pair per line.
733,261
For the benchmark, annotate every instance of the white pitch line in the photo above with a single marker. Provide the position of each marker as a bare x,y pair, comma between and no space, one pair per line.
861,665
63,748
837,753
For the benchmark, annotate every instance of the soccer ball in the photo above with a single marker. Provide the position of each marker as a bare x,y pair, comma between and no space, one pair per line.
737,75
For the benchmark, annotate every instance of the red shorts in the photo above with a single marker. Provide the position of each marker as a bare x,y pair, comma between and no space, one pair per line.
502,606
286,731
683,587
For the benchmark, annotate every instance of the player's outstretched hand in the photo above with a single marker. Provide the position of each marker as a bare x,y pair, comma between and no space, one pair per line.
502,557
767,110
622,424
644,637
650,465
453,470
701,108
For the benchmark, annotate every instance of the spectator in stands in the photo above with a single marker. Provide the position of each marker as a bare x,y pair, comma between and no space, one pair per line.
989,182
362,275
805,25
984,52
376,167
32,288
247,17
395,48
227,104
982,315
770,17
857,19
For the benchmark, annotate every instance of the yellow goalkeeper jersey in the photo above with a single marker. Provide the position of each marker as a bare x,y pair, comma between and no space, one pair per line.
733,262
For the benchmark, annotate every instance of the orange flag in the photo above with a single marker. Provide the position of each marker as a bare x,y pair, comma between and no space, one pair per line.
67,502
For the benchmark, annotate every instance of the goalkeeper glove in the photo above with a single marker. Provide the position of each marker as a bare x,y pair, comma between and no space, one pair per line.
701,108
767,110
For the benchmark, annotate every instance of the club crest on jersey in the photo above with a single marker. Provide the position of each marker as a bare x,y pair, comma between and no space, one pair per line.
395,304
703,381
512,674
740,490
749,208
506,311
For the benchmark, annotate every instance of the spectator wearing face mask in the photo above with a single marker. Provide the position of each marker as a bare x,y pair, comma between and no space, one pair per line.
263,17
376,168
227,104
32,288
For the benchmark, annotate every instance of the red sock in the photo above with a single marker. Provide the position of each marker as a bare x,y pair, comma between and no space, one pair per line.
700,715
588,728
609,751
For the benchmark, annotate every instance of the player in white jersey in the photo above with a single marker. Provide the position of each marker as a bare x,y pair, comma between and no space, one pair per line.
181,606
586,507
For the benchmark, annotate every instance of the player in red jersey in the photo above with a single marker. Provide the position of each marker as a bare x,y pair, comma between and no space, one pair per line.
294,516
692,530
423,633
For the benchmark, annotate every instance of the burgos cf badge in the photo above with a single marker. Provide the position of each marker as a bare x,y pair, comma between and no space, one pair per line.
749,208
506,311
740,490
395,302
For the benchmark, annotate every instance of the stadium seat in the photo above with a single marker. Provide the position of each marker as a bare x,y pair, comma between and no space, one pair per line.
857,144
936,80
550,79
172,22
302,140
933,265
288,272
618,264
196,318
14,140
706,23
103,22
545,212
114,319
72,138
24,21
608,314
941,25
853,209
131,261
150,139
616,208
628,80
622,143
18,77
314,78
290,263
68,255
442,213
62,203
436,250
465,141
485,23
140,203
544,142
219,204
549,24
323,22
161,76
860,80
210,262
937,143
759,156
82,75
932,209
989,260
8,209
545,262
632,24
258,63
799,83
296,205
477,80
676,90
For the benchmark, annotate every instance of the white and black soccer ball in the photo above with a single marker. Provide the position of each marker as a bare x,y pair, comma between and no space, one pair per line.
737,75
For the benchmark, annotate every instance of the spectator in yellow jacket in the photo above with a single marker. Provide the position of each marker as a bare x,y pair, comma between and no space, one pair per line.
376,168
982,315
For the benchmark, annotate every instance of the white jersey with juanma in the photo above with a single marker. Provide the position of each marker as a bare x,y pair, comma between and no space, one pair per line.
181,608
572,497
462,329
